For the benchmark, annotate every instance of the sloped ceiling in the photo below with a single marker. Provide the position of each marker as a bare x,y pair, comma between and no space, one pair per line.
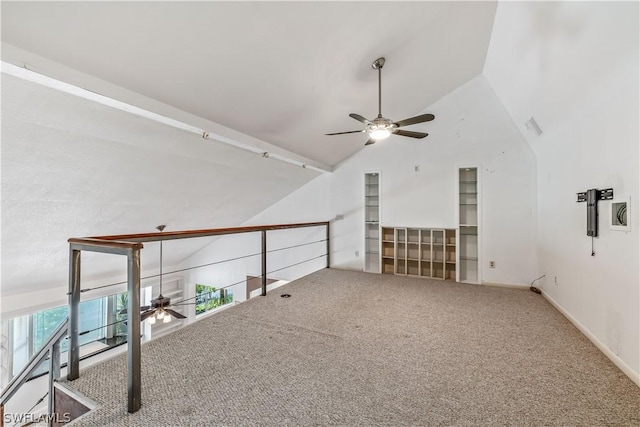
73,168
283,72
559,53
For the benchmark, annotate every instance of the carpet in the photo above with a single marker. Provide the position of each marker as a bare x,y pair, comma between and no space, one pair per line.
358,349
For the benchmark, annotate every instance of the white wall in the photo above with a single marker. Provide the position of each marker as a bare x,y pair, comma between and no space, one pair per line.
285,261
226,273
574,67
308,204
471,128
72,167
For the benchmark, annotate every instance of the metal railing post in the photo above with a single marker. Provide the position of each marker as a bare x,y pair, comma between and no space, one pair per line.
134,365
73,365
264,263
328,246
54,374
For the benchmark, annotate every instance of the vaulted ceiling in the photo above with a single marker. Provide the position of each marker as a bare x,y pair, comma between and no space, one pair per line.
278,73
283,72
72,168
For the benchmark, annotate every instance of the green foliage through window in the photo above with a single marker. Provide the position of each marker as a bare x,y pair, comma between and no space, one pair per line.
208,298
45,322
122,301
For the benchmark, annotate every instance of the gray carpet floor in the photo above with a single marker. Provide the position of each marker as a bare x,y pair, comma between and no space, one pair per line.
358,349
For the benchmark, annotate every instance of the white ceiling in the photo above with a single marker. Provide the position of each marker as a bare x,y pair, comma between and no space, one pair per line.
72,167
283,72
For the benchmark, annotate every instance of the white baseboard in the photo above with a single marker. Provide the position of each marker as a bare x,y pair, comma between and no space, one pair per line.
506,285
628,371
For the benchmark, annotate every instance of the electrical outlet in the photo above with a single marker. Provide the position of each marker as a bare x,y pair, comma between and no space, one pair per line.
357,253
492,264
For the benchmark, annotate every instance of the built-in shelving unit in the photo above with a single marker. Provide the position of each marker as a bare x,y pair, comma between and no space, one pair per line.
387,255
468,210
372,222
419,252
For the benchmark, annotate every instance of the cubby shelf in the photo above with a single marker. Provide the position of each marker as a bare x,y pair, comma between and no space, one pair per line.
420,252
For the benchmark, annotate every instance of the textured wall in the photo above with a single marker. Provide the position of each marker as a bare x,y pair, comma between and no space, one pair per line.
574,67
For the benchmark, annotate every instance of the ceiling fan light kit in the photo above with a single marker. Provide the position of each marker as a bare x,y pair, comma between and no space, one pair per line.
379,133
159,309
381,127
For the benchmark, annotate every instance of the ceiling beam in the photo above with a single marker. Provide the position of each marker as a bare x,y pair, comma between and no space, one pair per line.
166,115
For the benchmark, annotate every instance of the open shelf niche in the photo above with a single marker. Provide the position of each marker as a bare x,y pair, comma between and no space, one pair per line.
468,214
419,252
372,222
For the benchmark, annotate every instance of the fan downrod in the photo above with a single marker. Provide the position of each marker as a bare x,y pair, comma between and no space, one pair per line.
378,63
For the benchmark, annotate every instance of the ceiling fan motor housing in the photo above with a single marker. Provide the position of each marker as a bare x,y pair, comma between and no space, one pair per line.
378,63
381,123
160,302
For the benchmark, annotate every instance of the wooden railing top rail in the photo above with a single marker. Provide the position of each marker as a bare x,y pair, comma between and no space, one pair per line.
96,241
126,239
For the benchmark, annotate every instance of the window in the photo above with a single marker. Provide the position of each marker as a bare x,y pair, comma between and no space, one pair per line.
44,323
101,326
208,298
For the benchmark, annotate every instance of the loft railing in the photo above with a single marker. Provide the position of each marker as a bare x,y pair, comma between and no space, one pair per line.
50,349
130,245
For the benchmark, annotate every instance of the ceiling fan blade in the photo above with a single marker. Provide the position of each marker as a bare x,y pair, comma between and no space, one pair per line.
143,308
342,133
410,134
359,118
370,141
417,119
175,313
146,314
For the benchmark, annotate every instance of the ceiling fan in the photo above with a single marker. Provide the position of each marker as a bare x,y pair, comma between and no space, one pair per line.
381,127
159,309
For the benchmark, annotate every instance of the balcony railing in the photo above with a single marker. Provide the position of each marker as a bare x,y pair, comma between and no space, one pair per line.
130,246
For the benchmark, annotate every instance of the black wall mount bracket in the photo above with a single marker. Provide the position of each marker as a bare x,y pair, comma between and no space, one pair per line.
592,197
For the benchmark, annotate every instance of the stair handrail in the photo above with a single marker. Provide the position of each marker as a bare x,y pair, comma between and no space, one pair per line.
50,348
